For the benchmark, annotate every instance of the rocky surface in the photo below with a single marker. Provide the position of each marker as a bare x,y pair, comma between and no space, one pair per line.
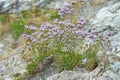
16,6
11,62
44,70
14,58
107,18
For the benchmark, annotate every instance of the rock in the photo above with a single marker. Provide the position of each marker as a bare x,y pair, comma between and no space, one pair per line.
16,6
43,70
1,45
113,76
108,18
11,62
102,72
65,75
1,48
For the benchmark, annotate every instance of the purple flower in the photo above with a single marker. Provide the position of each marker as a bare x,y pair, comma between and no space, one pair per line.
84,61
61,23
34,40
32,27
51,36
43,27
78,25
66,9
109,50
62,31
24,35
109,33
105,37
68,23
93,36
48,24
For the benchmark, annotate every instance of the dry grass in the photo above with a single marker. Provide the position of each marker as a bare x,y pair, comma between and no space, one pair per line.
4,28
27,56
40,19
6,55
97,2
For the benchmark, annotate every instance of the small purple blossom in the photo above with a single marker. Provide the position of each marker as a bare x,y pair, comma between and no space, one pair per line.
34,40
84,61
105,37
32,27
61,23
93,36
48,24
66,9
24,35
109,33
43,27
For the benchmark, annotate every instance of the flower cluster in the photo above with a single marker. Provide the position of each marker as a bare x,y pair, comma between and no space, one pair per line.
66,9
64,32
30,27
64,35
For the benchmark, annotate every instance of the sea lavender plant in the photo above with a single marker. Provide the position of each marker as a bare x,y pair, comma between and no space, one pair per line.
64,34
61,35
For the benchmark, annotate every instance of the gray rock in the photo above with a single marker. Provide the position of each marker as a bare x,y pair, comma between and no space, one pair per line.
114,76
115,67
16,6
108,18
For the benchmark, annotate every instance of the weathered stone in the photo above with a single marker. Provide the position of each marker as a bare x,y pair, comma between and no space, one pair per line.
107,18
16,6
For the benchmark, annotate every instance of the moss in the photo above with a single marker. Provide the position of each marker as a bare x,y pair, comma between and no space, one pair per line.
45,11
26,14
5,18
36,10
17,28
54,15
